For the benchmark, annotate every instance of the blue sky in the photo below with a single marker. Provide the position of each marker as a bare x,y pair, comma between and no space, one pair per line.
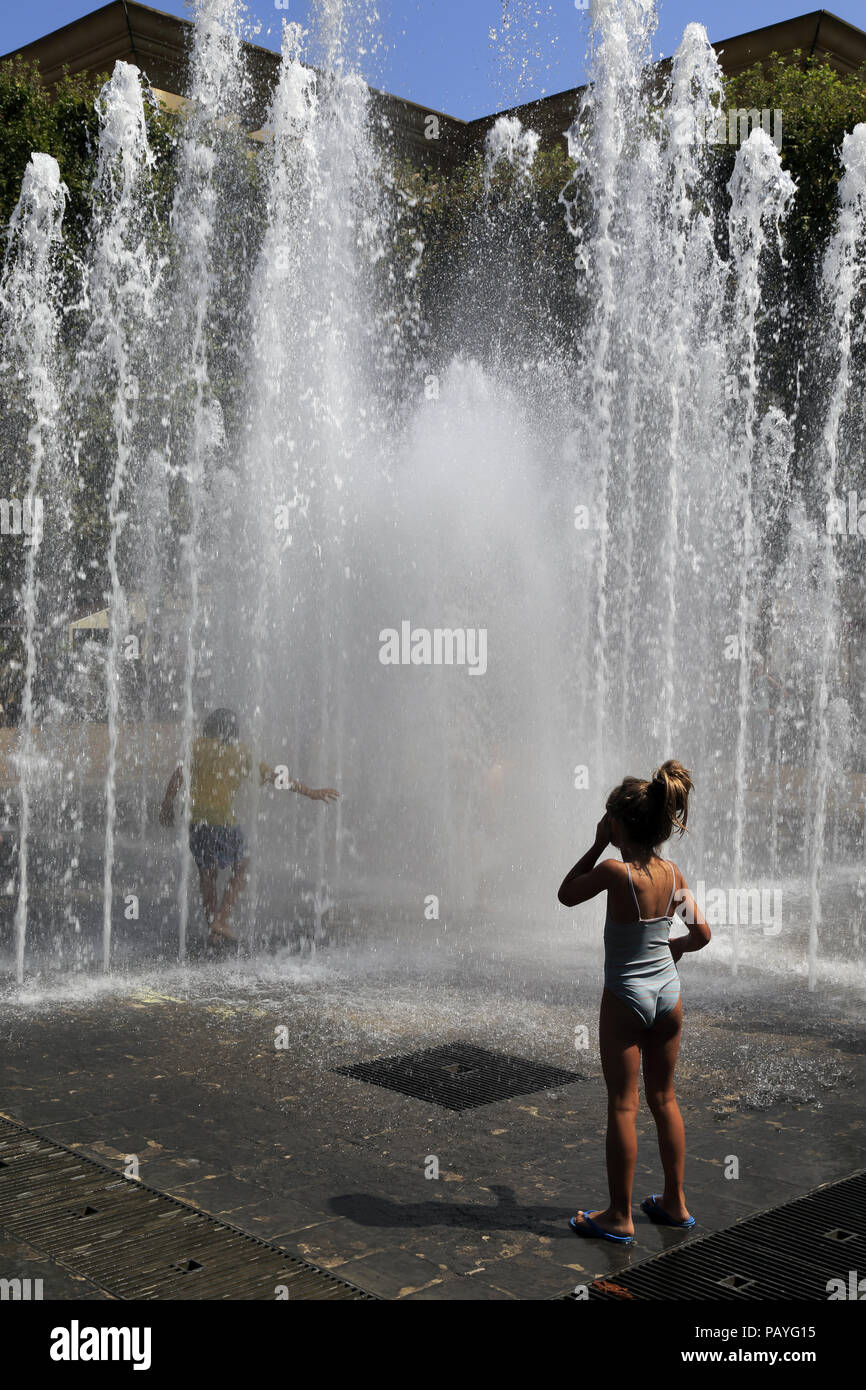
440,53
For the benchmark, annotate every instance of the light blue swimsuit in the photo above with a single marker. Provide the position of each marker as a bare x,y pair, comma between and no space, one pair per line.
638,965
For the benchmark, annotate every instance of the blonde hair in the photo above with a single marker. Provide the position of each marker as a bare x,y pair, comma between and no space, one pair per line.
651,811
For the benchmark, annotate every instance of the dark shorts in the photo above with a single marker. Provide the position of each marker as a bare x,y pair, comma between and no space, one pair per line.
216,846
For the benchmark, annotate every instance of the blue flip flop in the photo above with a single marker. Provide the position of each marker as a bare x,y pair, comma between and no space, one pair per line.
656,1213
595,1230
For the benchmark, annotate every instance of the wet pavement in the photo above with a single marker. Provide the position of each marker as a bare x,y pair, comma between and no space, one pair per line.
218,1082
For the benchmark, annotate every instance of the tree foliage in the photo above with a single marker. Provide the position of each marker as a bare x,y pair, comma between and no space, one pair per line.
63,123
818,105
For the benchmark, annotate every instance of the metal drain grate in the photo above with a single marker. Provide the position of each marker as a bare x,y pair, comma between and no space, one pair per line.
788,1252
460,1076
135,1242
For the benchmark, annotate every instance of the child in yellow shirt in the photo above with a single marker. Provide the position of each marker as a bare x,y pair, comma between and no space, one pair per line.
220,765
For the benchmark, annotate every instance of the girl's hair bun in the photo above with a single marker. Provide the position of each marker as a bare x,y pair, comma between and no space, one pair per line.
652,811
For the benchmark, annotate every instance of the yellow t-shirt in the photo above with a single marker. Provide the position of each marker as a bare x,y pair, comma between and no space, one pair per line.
218,769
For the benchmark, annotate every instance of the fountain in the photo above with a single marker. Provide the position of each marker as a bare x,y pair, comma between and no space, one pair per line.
590,557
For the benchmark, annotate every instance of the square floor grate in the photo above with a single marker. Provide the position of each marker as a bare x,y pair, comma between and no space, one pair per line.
460,1076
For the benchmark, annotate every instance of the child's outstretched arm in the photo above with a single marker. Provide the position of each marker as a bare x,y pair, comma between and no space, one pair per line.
277,778
317,793
166,810
587,878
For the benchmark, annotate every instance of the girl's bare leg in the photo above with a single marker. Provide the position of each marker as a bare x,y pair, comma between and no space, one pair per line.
236,885
661,1045
619,1034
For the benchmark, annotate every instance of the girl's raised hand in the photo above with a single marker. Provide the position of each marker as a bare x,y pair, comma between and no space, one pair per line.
602,832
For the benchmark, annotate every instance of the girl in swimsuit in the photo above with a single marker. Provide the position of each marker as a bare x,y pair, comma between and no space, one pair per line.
641,1008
